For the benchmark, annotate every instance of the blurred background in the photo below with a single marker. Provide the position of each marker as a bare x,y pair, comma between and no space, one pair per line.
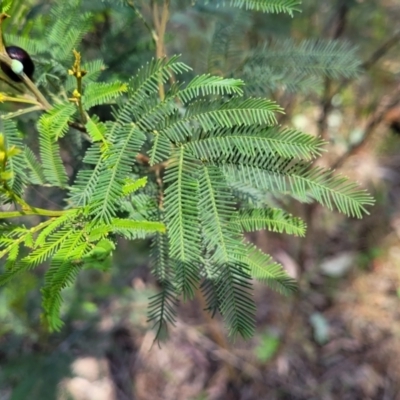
339,336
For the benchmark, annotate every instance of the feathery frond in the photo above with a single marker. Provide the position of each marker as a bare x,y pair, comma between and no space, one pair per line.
267,6
273,219
225,115
207,85
101,93
221,238
287,65
160,149
225,50
68,30
116,166
332,58
304,183
237,306
255,142
62,273
36,173
264,269
162,306
97,131
131,229
85,184
146,82
49,150
181,215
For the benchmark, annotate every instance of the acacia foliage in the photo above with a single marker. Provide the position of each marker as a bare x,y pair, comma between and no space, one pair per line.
194,169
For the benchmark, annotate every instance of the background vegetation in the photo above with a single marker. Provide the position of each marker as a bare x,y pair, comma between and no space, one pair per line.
337,338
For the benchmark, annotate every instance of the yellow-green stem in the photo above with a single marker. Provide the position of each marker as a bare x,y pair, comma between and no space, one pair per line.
20,112
33,211
80,105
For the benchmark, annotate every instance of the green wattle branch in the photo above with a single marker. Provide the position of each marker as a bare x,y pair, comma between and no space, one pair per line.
26,208
32,211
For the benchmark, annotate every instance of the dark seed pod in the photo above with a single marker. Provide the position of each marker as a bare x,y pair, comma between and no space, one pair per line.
16,53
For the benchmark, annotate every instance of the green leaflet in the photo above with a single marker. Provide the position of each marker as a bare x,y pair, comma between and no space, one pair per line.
6,5
100,252
97,131
132,186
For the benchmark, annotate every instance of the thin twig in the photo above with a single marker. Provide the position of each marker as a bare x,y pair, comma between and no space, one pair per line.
156,20
78,126
21,111
10,83
326,107
375,120
381,51
326,104
160,24
152,31
160,189
369,63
